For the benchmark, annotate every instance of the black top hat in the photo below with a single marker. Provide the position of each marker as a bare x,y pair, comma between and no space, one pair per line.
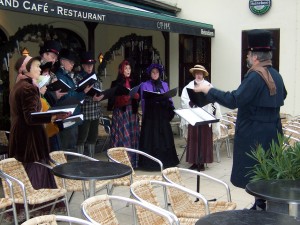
260,40
68,54
87,58
50,46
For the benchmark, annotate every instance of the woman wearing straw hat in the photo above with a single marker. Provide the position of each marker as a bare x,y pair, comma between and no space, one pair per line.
198,144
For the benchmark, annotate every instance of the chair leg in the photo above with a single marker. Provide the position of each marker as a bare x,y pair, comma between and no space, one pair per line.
217,146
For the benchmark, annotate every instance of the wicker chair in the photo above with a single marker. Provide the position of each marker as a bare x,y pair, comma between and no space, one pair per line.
7,204
120,155
59,157
53,219
23,191
224,137
99,210
144,191
183,206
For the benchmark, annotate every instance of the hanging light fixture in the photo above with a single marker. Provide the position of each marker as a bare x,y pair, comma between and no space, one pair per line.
100,57
25,52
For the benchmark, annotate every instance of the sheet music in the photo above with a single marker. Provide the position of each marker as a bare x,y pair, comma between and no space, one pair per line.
196,116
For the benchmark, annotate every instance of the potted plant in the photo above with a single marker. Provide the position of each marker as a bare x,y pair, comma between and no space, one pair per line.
280,161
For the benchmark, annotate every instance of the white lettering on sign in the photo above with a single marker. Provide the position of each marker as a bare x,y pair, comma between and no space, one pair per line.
46,8
79,14
207,32
35,7
10,3
163,25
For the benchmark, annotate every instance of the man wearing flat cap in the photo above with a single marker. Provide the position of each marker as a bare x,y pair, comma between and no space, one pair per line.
258,99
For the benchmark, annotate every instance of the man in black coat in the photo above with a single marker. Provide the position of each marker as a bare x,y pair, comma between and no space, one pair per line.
258,99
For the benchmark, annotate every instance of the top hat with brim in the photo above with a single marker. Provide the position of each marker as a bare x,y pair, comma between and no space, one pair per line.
50,46
87,58
259,40
68,54
199,68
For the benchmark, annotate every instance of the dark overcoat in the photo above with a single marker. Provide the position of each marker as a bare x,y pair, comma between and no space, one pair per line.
28,141
258,119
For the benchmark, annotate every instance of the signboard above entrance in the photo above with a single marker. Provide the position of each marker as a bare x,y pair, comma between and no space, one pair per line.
106,13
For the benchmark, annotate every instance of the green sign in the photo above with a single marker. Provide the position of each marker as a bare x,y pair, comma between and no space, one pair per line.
259,7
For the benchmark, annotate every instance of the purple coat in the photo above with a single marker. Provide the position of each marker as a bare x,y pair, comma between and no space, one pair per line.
148,86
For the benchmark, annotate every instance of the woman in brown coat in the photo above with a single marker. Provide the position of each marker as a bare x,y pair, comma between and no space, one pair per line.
28,141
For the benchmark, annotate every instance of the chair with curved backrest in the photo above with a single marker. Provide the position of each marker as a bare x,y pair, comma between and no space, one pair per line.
99,210
59,157
186,207
53,219
23,191
144,191
120,155
7,204
224,137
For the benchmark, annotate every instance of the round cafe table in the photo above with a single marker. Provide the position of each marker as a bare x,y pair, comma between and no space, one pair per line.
277,191
247,217
91,171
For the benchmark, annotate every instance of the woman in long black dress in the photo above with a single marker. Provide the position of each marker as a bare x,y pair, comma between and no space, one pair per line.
156,133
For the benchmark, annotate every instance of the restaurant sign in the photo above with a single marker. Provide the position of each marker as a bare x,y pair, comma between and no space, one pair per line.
259,7
100,14
48,8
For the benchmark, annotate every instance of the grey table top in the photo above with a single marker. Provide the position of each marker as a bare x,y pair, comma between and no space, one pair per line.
247,217
282,191
92,170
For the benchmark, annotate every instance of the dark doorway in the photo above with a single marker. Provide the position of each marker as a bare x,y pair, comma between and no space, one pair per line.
193,50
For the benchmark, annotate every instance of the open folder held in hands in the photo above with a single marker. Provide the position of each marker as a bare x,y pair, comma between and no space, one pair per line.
160,96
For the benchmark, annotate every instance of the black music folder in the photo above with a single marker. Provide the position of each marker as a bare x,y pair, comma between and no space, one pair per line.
107,93
59,84
198,98
196,116
87,81
121,90
160,96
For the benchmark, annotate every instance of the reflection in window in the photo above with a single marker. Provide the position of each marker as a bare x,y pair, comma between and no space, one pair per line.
188,50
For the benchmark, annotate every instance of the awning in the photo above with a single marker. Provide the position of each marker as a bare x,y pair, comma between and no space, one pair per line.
109,12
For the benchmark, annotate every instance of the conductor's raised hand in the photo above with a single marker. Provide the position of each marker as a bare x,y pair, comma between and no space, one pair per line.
202,88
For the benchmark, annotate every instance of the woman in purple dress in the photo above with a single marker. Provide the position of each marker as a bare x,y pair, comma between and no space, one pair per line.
156,133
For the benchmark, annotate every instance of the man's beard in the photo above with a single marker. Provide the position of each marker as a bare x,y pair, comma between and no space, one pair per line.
249,63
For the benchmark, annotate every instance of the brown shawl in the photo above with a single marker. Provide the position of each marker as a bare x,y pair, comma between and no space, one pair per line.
265,74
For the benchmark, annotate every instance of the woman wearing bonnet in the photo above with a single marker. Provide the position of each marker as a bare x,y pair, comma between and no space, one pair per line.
28,141
197,143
